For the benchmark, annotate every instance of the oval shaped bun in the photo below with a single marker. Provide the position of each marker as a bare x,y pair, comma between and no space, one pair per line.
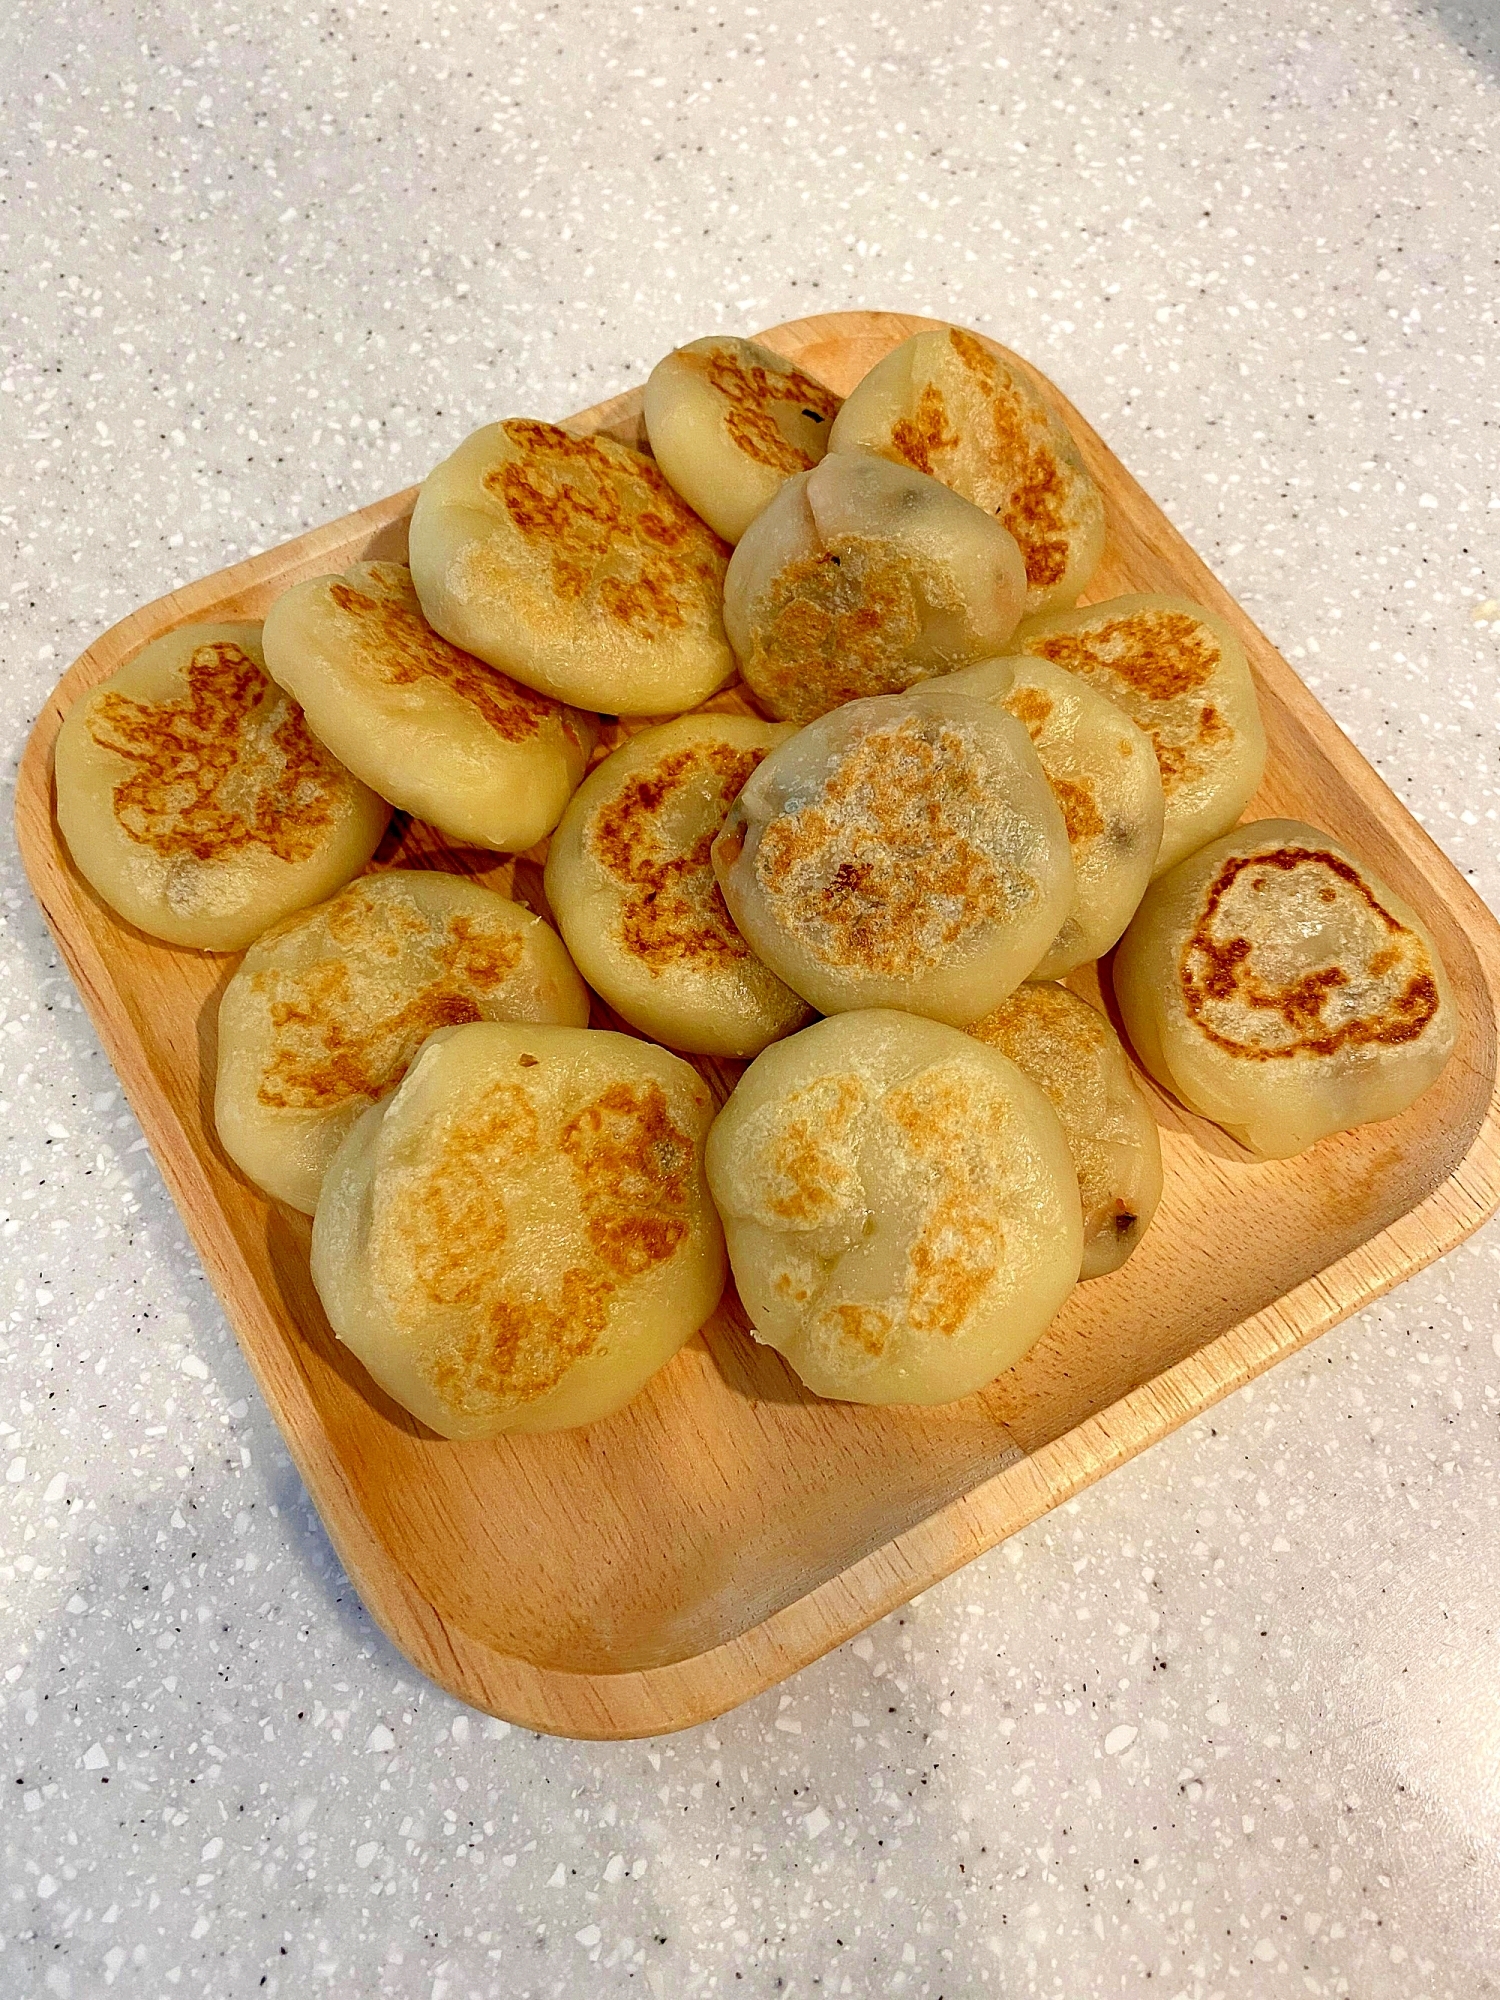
900,852
328,1008
901,1210
942,402
196,801
1103,774
631,885
1181,675
861,578
1071,1052
431,728
729,421
1277,986
570,563
522,1235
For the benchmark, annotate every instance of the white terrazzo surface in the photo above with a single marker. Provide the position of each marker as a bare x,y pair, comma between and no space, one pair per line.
1231,1723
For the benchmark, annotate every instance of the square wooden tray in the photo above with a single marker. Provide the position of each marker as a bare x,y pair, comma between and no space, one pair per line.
727,1527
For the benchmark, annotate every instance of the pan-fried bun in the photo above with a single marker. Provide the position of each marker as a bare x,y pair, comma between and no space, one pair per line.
902,1214
1277,986
630,883
728,421
329,1007
522,1235
570,563
861,578
945,404
900,852
195,799
1181,675
431,728
1071,1051
1103,774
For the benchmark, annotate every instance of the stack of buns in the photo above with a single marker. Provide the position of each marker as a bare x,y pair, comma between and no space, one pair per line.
938,787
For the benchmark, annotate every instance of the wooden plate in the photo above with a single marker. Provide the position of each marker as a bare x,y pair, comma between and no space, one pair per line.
727,1527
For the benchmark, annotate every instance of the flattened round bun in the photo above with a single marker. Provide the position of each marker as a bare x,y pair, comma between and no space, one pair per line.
1074,1055
328,1009
729,421
570,563
432,729
900,852
861,578
944,403
902,1214
522,1235
195,799
1103,774
1181,675
632,888
1280,988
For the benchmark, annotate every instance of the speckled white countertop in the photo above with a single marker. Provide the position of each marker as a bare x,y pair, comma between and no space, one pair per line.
1230,1724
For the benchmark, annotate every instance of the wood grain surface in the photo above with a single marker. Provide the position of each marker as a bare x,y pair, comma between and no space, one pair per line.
727,1527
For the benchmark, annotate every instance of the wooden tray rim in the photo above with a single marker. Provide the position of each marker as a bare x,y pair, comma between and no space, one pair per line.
682,1693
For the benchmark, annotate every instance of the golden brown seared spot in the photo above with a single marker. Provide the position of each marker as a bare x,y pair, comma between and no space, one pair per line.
1080,807
450,1232
1382,994
841,624
954,1125
1023,457
1032,707
753,395
952,1261
1158,654
924,436
1048,1032
867,1327
1061,1044
632,1167
673,911
228,766
1002,450
342,1029
632,1175
394,644
360,920
617,537
1181,761
1077,798
809,1173
1150,662
451,1224
324,1055
480,955
880,876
